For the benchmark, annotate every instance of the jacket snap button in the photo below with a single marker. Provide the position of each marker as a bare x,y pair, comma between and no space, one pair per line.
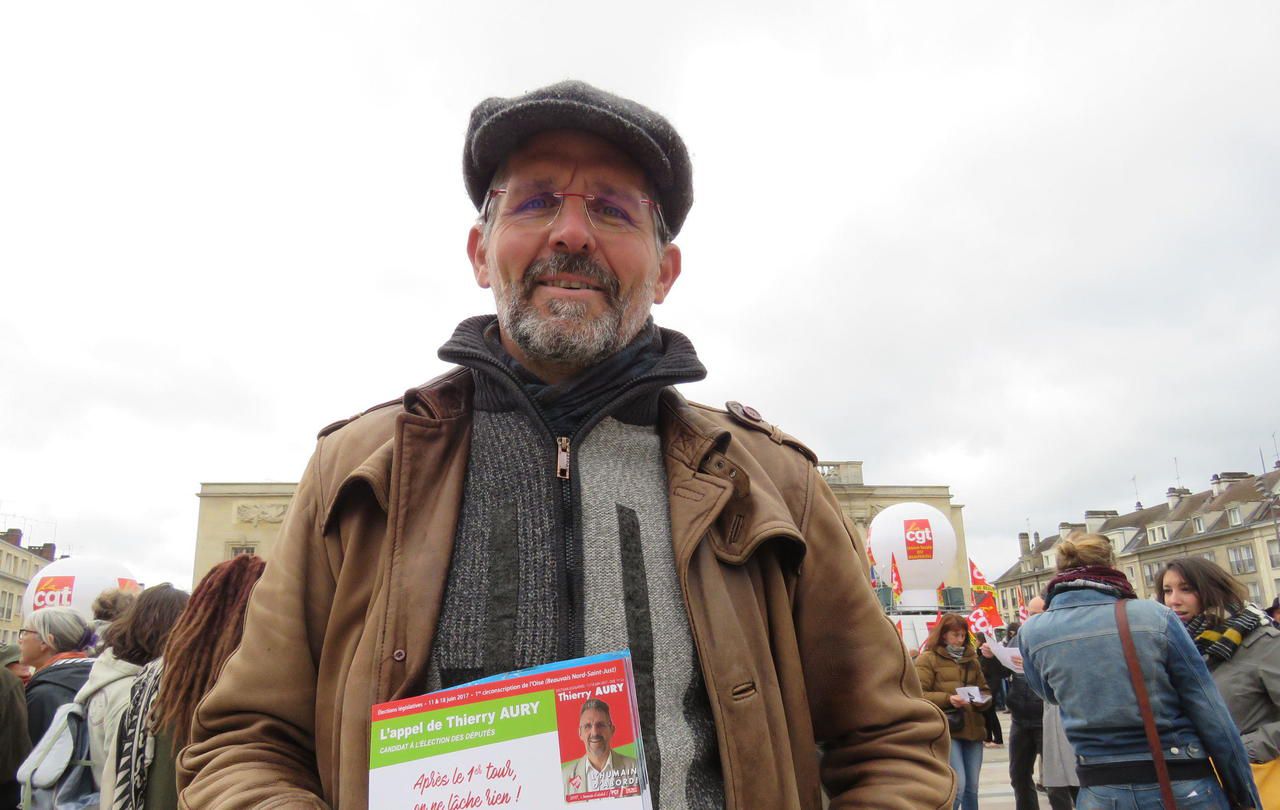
398,655
1174,751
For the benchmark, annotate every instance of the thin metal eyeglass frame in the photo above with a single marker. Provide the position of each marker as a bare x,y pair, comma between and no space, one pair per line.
659,224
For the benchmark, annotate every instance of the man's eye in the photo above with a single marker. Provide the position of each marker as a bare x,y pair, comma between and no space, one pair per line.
537,203
610,209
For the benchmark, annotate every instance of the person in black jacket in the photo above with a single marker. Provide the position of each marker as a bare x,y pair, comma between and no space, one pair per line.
55,641
1026,713
995,673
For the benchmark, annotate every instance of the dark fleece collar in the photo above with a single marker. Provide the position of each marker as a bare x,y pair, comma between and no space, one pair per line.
625,386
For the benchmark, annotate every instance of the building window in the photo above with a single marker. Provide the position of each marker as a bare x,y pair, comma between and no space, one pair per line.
1233,516
1149,573
1161,534
1210,556
1255,591
1131,573
1198,523
238,550
1241,559
1274,547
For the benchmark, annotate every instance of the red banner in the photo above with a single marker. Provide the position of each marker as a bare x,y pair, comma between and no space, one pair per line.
978,583
919,538
895,579
986,617
1022,607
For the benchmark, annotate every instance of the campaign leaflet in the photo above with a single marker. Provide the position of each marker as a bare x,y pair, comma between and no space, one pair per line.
559,735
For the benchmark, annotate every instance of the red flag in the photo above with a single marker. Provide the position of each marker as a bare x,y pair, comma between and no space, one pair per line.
1022,608
895,579
985,618
899,626
942,587
870,554
978,583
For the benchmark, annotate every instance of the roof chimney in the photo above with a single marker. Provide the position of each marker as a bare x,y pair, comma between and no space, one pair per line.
1024,544
49,551
1175,496
13,537
1095,518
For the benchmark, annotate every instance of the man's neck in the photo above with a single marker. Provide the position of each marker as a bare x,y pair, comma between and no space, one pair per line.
549,371
599,762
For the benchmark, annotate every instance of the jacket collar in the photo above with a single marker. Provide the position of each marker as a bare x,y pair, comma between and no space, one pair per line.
706,473
1080,596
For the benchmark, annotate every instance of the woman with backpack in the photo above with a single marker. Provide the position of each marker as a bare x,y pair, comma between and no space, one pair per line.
133,639
55,641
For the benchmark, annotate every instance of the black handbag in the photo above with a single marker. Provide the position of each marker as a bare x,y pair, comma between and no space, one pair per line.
955,719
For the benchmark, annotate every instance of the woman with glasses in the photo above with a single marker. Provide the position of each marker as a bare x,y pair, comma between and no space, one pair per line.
1072,656
56,642
1241,647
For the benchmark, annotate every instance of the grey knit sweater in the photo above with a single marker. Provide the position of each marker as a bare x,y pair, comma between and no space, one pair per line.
548,567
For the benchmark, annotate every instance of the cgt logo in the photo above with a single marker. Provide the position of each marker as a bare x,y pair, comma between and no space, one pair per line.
919,537
53,592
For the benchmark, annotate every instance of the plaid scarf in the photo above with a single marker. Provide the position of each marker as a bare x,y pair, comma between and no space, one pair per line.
134,746
1221,641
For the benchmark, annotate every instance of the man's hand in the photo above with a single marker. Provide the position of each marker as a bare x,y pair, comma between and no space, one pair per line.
986,650
958,701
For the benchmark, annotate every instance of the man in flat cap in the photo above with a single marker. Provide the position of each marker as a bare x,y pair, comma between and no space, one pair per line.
552,497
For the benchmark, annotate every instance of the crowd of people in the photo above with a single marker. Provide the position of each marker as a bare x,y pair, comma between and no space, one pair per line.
136,669
1209,661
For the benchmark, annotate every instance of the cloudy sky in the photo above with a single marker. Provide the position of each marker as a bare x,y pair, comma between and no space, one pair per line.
1028,251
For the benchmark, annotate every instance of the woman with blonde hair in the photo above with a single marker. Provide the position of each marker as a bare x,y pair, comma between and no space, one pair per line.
949,662
1073,657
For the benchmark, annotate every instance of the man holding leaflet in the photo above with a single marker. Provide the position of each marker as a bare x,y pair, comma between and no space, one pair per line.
553,496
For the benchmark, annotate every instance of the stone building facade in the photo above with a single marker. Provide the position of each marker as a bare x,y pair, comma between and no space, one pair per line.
238,519
1234,523
18,566
245,518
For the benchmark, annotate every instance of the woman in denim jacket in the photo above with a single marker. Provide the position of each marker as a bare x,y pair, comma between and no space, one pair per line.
1072,657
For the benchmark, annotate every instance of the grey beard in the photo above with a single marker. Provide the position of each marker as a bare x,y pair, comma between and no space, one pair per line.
567,335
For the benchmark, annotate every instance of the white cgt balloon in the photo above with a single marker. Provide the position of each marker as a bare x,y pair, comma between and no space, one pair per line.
923,541
75,582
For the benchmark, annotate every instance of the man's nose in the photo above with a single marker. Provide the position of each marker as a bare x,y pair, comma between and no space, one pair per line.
571,230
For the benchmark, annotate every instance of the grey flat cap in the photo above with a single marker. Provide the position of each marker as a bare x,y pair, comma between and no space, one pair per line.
499,125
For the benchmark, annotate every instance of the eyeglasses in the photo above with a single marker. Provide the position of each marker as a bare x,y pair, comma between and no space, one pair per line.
615,211
25,630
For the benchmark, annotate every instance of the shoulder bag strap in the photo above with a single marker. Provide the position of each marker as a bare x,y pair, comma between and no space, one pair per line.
1144,705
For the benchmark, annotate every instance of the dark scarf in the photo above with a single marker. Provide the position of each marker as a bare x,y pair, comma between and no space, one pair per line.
1092,577
1221,640
656,358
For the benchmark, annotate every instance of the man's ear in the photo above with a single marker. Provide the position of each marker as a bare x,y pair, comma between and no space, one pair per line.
478,255
668,272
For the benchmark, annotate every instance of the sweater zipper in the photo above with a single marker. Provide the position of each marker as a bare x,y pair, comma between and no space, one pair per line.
563,473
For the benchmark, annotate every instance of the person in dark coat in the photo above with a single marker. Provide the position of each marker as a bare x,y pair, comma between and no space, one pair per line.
14,744
995,673
1026,713
54,640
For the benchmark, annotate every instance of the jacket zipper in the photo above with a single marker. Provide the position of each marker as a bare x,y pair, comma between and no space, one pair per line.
563,466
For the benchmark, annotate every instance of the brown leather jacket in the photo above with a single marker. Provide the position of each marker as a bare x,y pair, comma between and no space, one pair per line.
794,647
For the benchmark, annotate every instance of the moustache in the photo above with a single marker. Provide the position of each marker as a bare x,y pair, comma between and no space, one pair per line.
575,264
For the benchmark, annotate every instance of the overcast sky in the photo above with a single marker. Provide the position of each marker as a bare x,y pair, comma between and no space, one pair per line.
1028,251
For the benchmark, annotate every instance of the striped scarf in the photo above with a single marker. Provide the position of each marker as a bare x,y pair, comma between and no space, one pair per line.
1222,641
134,745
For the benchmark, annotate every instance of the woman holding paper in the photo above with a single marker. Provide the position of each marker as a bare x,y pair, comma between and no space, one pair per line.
1073,656
951,677
1241,647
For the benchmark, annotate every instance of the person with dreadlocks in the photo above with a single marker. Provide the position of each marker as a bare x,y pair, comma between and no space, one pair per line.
157,723
1241,646
1072,656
